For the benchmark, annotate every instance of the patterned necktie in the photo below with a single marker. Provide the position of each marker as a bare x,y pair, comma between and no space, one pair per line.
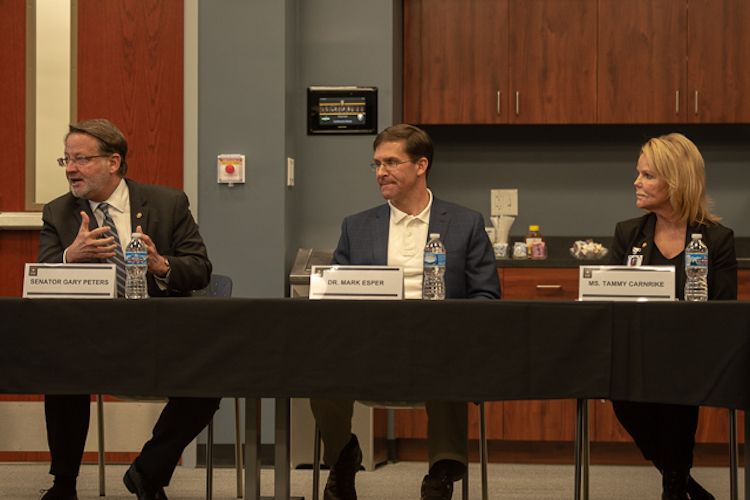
118,260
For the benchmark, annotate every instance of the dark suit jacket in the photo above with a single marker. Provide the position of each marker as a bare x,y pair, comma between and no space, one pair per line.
722,262
470,269
164,215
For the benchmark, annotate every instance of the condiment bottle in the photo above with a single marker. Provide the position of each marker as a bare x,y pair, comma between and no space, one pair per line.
535,247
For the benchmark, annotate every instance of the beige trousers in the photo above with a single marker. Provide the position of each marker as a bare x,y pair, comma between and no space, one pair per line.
447,428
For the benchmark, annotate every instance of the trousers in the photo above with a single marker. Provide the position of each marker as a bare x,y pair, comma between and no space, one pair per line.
447,428
665,433
180,421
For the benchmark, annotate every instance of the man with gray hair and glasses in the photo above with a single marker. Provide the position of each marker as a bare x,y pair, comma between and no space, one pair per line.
94,223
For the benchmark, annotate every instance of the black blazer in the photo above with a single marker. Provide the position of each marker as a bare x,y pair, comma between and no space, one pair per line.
470,268
722,262
164,215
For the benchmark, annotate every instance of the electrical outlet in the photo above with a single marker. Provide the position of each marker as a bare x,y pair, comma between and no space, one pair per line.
504,202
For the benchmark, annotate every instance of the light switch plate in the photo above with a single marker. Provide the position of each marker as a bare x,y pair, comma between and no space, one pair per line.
290,172
231,169
504,202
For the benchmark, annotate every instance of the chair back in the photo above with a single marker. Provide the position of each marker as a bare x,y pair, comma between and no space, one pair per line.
219,286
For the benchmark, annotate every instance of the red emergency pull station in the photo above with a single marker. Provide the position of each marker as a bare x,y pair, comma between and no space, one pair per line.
231,169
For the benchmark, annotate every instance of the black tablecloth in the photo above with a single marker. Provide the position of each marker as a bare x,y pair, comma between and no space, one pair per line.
470,350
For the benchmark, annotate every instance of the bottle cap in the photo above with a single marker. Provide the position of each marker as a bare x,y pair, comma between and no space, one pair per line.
434,235
533,228
135,235
696,236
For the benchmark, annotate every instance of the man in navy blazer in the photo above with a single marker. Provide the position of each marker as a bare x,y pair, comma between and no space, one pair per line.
395,234
74,231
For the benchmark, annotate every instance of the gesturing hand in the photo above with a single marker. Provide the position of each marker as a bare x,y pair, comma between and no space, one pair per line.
157,265
90,245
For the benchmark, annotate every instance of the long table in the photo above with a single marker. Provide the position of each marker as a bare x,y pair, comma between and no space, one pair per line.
461,350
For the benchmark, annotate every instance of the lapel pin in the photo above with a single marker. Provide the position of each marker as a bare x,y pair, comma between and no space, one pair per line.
139,215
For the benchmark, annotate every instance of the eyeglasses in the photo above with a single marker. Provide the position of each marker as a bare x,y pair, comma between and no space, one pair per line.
80,161
389,165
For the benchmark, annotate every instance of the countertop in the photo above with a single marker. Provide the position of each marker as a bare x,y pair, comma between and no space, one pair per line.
558,253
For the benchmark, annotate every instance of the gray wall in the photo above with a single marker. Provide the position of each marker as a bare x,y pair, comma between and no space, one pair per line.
578,180
244,73
341,42
247,95
257,59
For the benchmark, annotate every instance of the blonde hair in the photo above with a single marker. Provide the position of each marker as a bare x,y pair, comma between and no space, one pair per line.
676,160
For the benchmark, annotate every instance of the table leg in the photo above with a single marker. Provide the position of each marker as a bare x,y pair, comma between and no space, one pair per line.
581,482
747,455
282,455
252,449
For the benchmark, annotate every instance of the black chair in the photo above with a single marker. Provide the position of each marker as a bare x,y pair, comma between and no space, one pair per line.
220,286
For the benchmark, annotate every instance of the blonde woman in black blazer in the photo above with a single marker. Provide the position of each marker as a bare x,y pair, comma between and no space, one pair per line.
670,188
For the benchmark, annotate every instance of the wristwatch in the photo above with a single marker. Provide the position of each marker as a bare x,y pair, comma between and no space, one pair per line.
169,268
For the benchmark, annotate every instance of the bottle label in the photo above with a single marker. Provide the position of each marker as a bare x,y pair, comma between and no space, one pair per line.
434,259
696,260
136,258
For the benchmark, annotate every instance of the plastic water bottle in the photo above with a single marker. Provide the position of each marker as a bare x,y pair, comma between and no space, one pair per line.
696,269
433,278
135,268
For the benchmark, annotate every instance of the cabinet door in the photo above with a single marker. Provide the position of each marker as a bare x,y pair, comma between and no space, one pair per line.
540,283
604,424
455,61
719,61
552,61
641,64
743,284
549,420
532,420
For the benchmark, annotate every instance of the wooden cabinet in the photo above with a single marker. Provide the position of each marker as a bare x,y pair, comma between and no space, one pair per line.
540,283
532,420
576,61
642,64
718,45
461,57
455,61
552,65
674,61
743,284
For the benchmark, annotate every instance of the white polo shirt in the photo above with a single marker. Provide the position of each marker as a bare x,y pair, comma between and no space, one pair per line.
407,236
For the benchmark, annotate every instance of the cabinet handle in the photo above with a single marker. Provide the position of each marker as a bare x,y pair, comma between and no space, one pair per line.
498,103
548,287
517,102
677,102
696,103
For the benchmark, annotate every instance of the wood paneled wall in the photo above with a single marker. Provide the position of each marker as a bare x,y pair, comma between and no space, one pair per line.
16,247
130,71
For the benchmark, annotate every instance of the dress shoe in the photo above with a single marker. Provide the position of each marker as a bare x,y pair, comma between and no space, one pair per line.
340,484
674,485
140,487
696,492
56,494
437,487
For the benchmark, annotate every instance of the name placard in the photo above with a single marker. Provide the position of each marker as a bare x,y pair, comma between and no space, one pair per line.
637,283
69,281
357,283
